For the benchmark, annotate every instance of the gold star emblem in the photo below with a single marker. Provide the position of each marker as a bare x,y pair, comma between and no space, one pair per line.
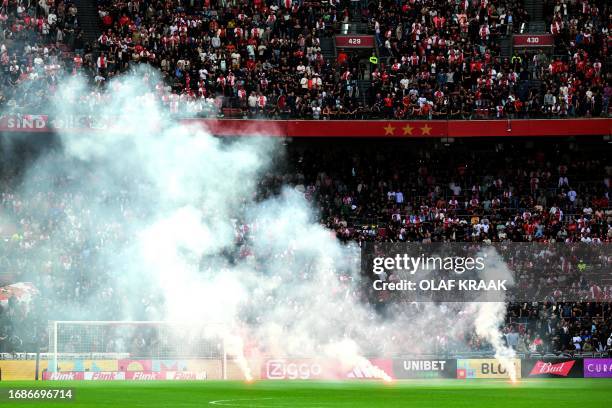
408,129
389,130
426,130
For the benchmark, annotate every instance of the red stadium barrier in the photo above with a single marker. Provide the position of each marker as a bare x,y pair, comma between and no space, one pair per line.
409,129
344,128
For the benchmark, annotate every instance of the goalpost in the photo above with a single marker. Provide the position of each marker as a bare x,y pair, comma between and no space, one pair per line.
136,340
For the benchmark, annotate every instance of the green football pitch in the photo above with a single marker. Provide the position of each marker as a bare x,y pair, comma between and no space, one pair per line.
536,393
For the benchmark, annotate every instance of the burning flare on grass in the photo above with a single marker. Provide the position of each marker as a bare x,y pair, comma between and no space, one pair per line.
487,327
490,316
347,352
234,347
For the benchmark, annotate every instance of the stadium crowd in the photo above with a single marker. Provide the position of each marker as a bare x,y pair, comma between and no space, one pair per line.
555,192
37,41
450,194
264,58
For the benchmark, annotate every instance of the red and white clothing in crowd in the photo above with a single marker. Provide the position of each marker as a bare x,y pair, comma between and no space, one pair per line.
499,109
414,59
416,31
104,39
256,32
455,56
271,19
101,63
261,101
231,79
484,32
463,22
439,22
221,81
597,67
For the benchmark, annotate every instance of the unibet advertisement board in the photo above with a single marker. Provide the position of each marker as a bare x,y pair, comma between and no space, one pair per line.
432,368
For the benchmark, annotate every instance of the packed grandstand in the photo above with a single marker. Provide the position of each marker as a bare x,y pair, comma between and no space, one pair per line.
277,59
474,192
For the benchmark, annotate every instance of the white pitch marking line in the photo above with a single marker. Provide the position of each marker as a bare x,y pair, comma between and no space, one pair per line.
232,403
236,403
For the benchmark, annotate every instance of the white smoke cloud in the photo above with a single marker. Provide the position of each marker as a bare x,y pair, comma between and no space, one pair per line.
158,205
491,315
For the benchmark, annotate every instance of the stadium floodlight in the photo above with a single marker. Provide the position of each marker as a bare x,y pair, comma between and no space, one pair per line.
136,340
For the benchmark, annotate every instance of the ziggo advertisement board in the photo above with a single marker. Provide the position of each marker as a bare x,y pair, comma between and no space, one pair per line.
325,369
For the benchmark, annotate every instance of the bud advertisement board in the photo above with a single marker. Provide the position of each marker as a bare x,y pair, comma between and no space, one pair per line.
553,368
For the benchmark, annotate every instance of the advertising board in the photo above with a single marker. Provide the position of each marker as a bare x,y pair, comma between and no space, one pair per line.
486,368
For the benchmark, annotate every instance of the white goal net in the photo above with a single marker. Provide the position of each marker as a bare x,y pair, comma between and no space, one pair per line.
135,340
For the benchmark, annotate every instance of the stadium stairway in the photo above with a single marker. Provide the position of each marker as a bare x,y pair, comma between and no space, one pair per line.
537,24
359,27
364,87
328,48
356,24
525,86
89,19
354,27
505,46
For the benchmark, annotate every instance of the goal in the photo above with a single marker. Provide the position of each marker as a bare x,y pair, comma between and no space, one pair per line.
136,340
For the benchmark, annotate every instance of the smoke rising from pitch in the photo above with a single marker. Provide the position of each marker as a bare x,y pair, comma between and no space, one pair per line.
170,215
